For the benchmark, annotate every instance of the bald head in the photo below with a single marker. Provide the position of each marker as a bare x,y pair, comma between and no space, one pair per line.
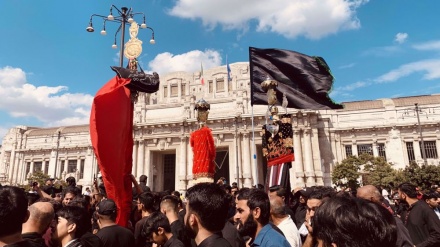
369,192
41,215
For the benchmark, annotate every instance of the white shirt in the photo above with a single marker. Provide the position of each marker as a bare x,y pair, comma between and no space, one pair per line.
290,231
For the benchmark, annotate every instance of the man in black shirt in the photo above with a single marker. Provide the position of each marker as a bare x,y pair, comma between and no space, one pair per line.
110,233
422,223
157,229
13,213
206,212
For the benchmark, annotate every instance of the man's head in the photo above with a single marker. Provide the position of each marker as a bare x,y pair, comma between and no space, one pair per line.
107,210
69,194
314,201
207,208
253,211
13,210
369,193
169,204
72,222
346,221
71,181
277,207
156,227
145,202
431,198
41,215
407,191
49,181
143,179
278,191
303,194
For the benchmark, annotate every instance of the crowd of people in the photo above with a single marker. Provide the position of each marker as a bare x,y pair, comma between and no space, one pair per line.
218,214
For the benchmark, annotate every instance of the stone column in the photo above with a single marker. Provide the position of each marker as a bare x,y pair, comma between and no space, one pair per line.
134,158
11,164
66,163
246,161
141,158
310,174
183,163
317,161
417,152
189,165
147,170
238,157
354,149
299,168
32,167
78,166
375,151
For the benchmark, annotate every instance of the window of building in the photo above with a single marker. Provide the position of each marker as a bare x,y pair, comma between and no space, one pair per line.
211,86
174,90
410,151
81,174
71,166
38,166
430,149
28,167
46,167
183,89
348,151
220,83
365,148
165,91
381,150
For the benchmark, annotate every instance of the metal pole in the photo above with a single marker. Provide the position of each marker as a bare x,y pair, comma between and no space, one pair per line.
425,162
236,153
121,52
56,156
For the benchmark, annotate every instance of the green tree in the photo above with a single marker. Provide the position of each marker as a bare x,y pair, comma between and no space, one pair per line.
423,176
380,173
346,173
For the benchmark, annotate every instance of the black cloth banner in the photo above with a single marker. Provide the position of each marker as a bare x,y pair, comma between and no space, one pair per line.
306,81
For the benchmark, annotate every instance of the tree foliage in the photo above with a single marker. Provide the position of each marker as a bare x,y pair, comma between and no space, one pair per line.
376,171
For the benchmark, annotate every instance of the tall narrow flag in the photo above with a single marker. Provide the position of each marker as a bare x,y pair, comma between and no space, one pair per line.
202,80
228,69
305,81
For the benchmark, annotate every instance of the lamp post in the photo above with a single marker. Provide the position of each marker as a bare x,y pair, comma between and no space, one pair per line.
417,111
125,17
56,154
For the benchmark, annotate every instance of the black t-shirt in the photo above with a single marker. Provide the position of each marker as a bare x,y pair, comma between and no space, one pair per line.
116,236
139,239
23,243
173,242
214,240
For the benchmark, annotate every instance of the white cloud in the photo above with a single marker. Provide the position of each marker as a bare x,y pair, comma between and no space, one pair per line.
382,51
401,38
50,105
347,66
343,91
166,62
429,68
313,19
428,46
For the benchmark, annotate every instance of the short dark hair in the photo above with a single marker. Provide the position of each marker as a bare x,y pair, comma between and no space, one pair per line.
147,199
76,215
280,190
13,210
346,221
210,203
72,190
71,181
143,179
152,224
172,202
408,189
321,192
256,198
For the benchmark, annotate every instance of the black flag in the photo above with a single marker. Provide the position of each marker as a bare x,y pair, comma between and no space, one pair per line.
305,81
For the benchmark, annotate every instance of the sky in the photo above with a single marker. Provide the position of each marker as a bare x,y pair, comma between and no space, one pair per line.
51,67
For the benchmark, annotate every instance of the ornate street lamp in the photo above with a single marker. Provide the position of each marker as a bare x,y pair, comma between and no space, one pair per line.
125,17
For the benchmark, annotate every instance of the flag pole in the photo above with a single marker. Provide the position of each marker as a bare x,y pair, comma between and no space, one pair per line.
254,148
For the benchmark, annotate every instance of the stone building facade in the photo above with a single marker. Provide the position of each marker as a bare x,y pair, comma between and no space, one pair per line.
163,122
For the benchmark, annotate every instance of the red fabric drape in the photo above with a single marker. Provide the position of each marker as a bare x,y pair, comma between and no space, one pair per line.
111,125
203,146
